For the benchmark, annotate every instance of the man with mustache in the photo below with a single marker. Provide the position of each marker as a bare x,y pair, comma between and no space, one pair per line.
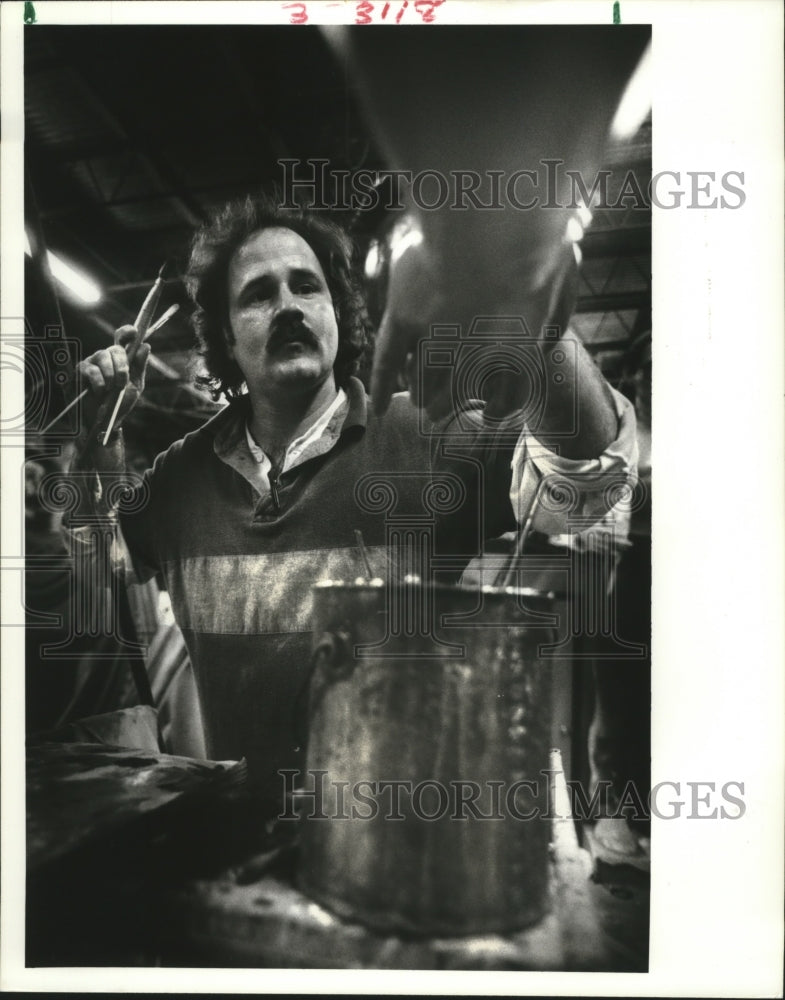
244,515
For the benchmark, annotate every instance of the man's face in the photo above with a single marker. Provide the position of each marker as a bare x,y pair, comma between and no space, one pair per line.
283,330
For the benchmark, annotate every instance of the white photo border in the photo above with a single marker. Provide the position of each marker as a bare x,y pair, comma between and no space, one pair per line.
719,454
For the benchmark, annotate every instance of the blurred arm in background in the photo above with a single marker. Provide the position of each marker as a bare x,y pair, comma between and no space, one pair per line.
494,102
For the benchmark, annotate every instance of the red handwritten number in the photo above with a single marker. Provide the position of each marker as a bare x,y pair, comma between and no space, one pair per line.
363,12
299,13
427,9
365,9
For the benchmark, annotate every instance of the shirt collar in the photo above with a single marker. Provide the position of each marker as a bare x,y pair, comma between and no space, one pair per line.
357,415
321,427
230,442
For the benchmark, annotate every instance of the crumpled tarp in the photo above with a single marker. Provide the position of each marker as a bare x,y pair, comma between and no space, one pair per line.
77,792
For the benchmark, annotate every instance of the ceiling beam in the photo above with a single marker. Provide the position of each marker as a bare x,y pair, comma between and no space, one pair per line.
613,302
616,242
159,171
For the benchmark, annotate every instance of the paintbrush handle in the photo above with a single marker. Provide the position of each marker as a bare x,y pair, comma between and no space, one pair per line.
110,425
147,311
134,346
164,318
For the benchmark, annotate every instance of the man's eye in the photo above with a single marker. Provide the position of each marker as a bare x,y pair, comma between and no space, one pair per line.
307,288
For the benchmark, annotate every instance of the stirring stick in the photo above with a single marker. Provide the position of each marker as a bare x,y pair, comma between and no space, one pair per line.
364,554
517,554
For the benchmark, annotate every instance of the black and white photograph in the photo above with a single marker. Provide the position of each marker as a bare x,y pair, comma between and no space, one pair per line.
330,604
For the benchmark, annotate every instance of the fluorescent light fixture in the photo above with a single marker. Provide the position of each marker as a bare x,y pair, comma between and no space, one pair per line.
81,286
78,284
636,101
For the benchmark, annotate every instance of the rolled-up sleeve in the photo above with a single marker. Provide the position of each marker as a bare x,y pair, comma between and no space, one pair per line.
573,494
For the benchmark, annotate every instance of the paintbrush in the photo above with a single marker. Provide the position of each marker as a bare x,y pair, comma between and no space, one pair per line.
142,323
131,353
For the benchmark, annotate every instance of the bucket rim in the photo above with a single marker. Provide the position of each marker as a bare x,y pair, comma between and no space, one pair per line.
377,584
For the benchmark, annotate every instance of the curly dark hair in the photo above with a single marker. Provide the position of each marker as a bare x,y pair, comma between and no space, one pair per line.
207,282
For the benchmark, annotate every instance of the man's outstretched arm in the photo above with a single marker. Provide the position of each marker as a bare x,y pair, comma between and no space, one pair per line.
526,108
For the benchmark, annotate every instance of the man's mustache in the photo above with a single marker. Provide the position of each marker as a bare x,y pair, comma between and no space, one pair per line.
284,330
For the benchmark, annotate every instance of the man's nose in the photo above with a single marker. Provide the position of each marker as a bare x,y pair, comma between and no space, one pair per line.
288,301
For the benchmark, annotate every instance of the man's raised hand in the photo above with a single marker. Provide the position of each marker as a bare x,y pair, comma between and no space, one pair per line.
109,372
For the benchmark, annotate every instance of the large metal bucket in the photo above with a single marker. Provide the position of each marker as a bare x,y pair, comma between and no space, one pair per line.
428,755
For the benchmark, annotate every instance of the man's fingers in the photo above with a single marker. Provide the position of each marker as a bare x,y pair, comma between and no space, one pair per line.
105,370
139,363
102,360
108,373
91,376
125,335
120,362
412,302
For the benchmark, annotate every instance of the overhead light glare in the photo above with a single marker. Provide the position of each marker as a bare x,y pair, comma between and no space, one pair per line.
401,243
372,261
79,285
574,229
585,216
636,101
